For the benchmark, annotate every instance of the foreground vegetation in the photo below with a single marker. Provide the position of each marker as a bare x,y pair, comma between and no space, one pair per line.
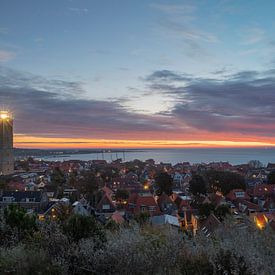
80,245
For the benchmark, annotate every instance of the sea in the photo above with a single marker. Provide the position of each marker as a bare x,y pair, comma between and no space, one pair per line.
193,155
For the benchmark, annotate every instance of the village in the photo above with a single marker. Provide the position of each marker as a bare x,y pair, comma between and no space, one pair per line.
193,198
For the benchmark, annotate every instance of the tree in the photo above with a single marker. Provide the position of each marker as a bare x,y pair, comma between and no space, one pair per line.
164,183
197,185
222,211
87,185
58,177
3,183
17,217
78,227
206,209
224,181
142,218
121,194
271,177
227,262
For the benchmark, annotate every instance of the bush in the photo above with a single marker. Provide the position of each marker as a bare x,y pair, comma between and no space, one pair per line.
78,227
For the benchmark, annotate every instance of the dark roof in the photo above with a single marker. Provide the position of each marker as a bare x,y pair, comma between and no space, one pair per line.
210,225
21,196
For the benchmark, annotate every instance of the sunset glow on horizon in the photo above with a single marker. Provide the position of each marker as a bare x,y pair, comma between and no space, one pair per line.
69,143
138,74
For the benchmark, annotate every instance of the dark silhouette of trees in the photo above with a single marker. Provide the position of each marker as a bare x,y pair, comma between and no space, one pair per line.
206,209
78,227
164,183
58,177
222,211
271,177
224,181
17,217
121,194
87,185
197,185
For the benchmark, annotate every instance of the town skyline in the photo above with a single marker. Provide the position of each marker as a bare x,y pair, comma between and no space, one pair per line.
138,74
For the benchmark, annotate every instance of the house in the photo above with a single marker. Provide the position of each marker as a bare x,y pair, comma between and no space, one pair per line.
30,200
105,205
70,192
271,166
210,225
27,177
16,186
142,202
108,191
262,219
117,218
181,200
99,162
166,204
248,207
131,178
56,210
237,194
262,190
269,204
80,209
165,220
51,190
178,180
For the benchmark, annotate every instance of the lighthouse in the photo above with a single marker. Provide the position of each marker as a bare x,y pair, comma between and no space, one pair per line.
6,143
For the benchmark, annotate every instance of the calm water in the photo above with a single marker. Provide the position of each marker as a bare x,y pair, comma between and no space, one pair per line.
232,155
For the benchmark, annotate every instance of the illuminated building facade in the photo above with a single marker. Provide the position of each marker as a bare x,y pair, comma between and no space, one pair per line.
6,143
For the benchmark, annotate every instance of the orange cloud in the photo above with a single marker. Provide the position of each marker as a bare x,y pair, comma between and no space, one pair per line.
23,141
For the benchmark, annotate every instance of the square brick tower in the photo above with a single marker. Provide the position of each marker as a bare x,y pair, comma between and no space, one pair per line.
6,143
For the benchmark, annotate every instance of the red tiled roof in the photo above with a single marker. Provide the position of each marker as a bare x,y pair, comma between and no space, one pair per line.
251,205
139,200
233,195
263,190
164,198
117,217
107,190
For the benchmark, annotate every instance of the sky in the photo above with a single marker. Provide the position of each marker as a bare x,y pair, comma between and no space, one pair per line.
138,73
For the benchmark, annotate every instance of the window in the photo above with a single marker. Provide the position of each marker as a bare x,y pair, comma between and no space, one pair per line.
152,208
143,208
8,199
30,199
239,194
131,205
106,206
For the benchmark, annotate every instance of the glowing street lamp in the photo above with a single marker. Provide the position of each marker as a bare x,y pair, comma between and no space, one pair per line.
146,187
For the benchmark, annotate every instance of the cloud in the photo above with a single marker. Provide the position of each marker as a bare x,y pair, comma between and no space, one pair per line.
253,35
46,107
188,32
238,106
241,103
180,22
167,76
6,55
173,9
78,10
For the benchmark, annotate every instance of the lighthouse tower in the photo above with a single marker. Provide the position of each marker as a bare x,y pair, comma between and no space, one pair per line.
6,143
